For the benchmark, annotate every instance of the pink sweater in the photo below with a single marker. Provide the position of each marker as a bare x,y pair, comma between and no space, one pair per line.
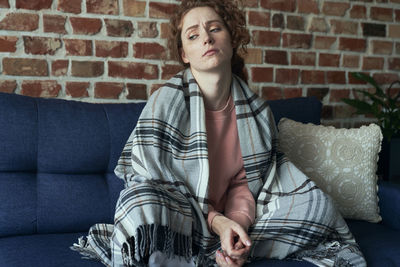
228,191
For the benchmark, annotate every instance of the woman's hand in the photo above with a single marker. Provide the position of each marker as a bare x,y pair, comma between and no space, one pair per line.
235,242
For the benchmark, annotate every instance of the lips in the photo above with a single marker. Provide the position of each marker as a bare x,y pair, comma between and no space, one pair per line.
210,52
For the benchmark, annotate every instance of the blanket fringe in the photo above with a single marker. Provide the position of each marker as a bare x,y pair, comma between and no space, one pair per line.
85,250
151,238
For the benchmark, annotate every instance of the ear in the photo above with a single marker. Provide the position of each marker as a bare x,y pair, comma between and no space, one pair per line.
183,56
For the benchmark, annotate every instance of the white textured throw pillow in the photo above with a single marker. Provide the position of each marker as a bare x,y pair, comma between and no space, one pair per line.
342,162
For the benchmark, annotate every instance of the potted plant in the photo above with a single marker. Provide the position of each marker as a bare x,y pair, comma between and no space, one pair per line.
385,107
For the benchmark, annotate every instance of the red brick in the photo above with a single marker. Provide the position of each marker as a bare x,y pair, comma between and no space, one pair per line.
78,47
292,92
250,3
77,89
41,45
329,60
111,49
308,6
8,86
303,58
313,77
287,76
46,88
4,4
59,67
397,15
155,87
108,90
70,6
352,44
134,8
381,14
258,18
382,47
262,74
271,93
109,7
324,42
164,30
343,111
319,93
119,28
34,5
149,51
373,63
318,25
278,21
295,23
282,5
358,12
398,48
335,8
385,78
338,94
266,38
132,70
25,67
168,71
54,23
161,10
87,68
351,61
85,25
147,29
8,43
353,80
136,91
394,63
344,27
253,56
394,31
276,57
20,22
327,113
336,77
297,40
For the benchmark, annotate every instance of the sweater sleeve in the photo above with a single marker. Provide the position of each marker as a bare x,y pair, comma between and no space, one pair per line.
240,204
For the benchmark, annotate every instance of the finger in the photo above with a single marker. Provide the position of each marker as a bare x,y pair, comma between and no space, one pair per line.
220,259
230,262
238,245
243,236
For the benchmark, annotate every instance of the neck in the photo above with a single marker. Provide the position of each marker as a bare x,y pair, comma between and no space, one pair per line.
215,88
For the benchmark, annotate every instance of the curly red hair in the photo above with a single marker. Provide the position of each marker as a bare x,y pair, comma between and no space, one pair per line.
234,19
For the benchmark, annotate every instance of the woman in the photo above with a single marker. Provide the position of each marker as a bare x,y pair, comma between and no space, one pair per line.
203,178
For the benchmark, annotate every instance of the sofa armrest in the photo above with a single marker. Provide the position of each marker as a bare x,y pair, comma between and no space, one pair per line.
389,204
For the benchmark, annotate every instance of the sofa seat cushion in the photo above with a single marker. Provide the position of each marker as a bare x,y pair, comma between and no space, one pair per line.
42,250
378,242
280,263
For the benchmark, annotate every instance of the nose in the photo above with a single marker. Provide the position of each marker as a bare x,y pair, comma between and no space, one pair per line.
208,39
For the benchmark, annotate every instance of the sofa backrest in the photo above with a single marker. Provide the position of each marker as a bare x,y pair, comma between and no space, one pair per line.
57,162
57,159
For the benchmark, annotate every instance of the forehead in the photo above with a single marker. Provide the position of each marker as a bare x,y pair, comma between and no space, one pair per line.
199,15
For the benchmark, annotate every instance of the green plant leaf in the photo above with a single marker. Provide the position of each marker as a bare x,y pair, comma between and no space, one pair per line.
361,106
366,78
372,97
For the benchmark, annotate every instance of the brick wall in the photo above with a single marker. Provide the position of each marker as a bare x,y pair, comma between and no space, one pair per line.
115,50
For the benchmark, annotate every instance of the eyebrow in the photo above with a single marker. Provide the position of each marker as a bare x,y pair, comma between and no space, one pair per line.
207,23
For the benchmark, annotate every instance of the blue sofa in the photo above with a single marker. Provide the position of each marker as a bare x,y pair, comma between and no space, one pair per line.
56,179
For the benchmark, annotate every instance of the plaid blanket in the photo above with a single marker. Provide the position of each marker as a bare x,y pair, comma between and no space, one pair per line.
164,204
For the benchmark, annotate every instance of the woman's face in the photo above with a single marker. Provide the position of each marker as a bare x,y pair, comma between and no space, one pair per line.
206,42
